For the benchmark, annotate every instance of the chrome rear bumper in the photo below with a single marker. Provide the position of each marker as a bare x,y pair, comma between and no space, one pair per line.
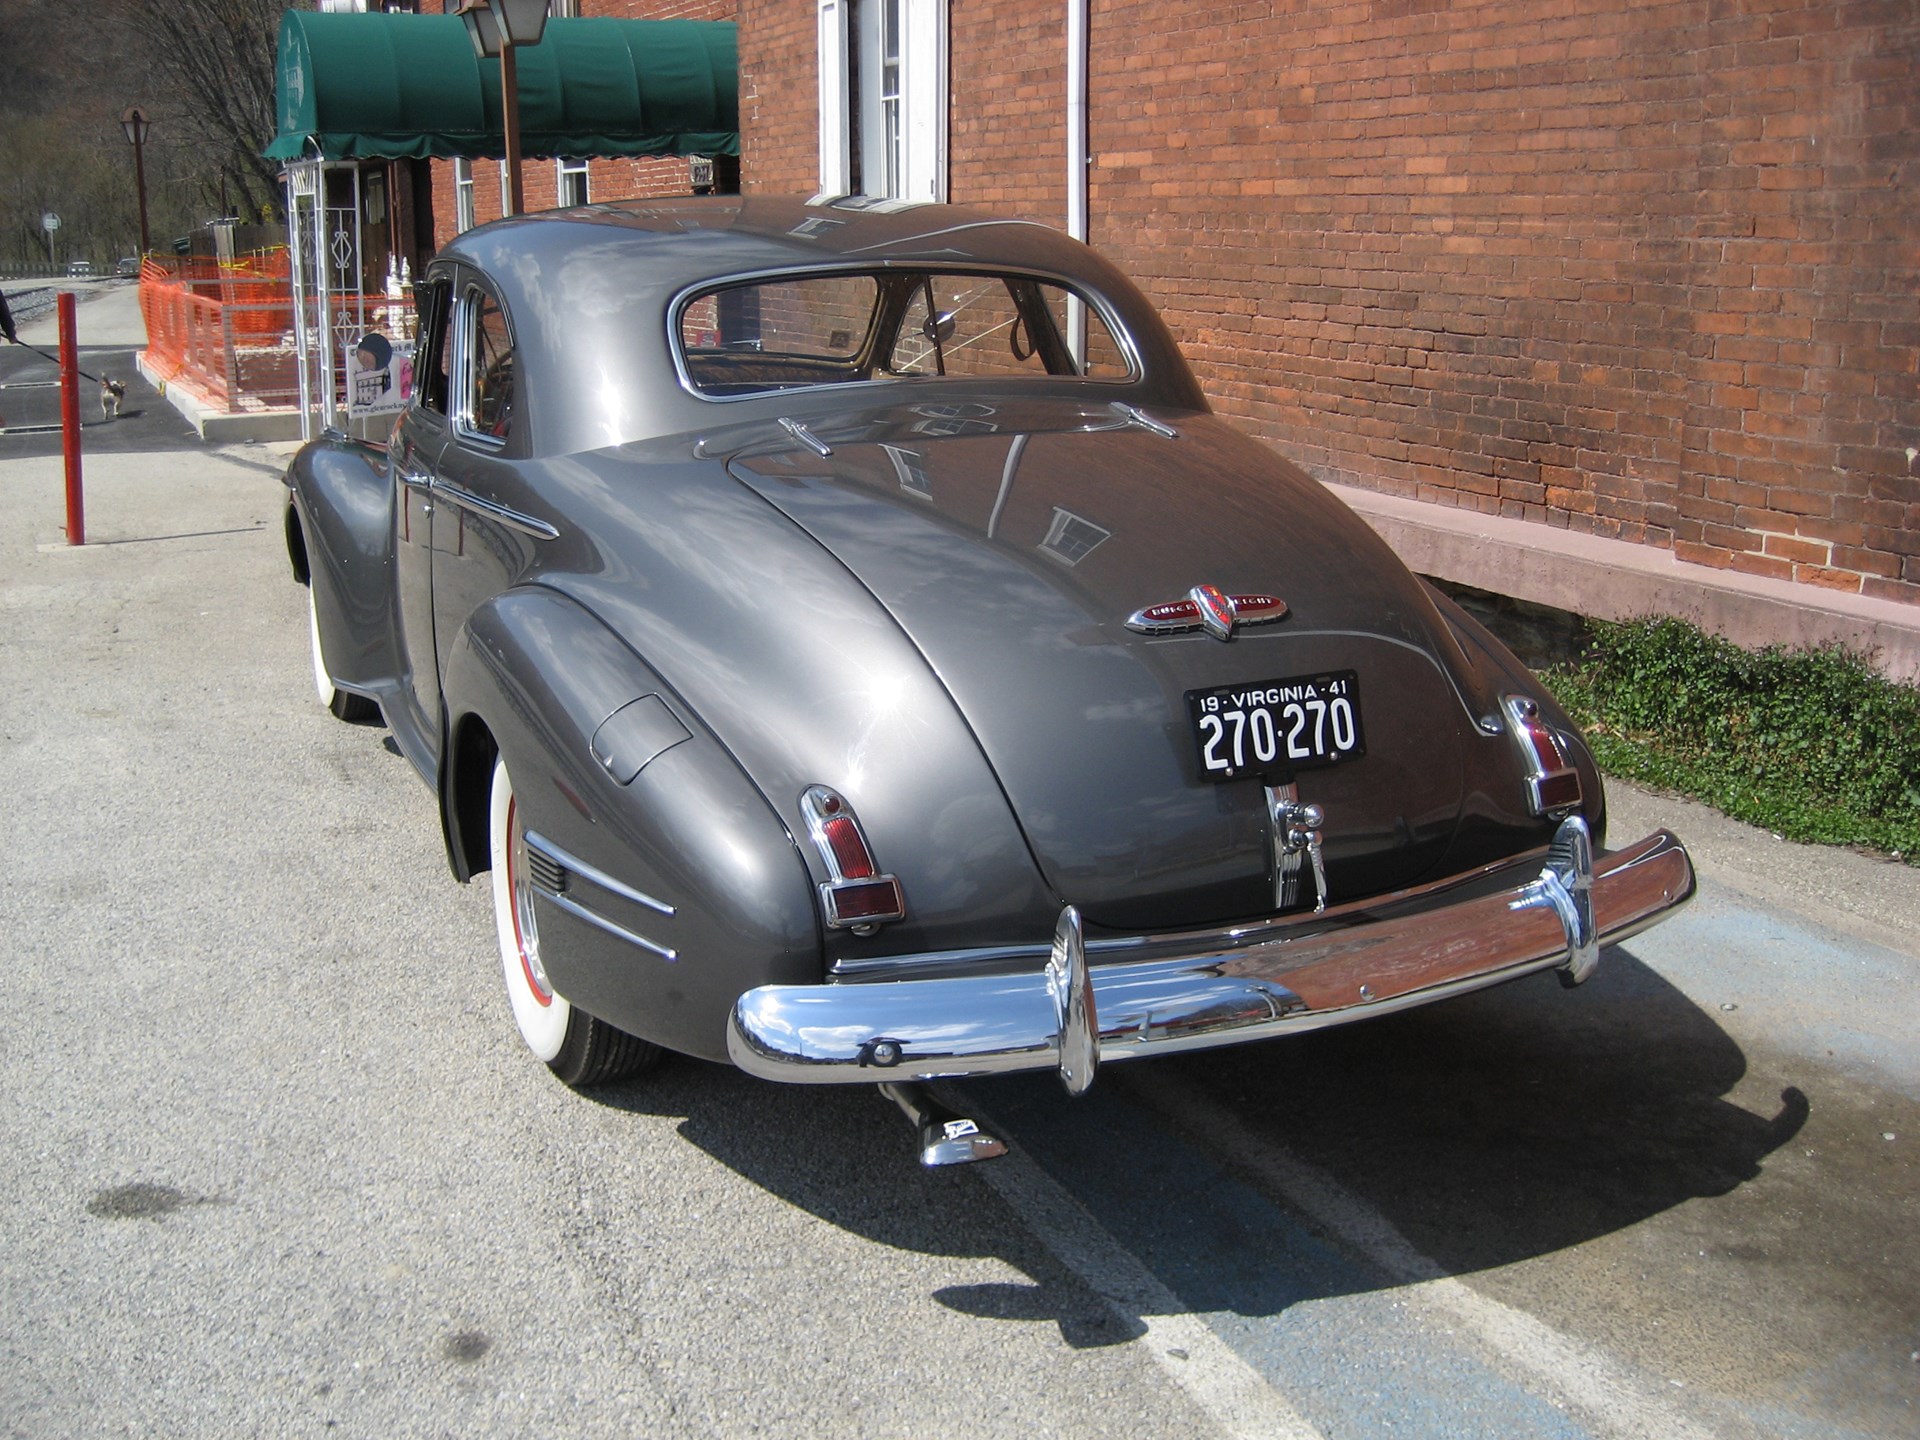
1165,994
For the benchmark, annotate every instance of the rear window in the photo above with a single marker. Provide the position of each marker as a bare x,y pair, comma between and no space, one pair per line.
846,328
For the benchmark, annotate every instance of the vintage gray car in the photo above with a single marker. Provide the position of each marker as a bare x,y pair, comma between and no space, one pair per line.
855,651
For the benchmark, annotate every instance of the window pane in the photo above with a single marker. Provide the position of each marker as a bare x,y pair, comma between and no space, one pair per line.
434,304
840,329
777,335
980,331
1105,360
491,373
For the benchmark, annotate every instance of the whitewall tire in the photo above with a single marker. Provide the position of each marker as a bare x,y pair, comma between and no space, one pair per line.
343,704
579,1048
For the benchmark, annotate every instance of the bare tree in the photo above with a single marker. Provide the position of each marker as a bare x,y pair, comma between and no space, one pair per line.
216,60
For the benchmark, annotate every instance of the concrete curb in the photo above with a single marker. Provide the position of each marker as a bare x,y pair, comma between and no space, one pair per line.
1620,580
216,426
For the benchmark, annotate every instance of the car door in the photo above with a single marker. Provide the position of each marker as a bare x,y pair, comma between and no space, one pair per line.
416,446
483,537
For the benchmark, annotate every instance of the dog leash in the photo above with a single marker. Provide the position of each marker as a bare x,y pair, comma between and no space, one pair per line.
55,359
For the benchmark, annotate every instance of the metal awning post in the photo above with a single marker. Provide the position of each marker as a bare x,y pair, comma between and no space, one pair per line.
303,185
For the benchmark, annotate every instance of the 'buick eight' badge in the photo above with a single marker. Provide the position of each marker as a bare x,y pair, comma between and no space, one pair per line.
1207,608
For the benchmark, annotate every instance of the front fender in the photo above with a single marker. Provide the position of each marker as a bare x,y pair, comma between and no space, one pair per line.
662,810
340,540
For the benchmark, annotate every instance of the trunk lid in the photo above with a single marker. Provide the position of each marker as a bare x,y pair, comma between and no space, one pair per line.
1012,543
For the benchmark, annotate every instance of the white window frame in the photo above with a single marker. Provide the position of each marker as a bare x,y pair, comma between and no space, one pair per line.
836,153
564,169
462,195
915,168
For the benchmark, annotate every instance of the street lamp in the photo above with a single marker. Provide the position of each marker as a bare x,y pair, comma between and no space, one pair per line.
134,125
499,27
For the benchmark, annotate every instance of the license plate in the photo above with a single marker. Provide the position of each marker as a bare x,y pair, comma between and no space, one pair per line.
1271,728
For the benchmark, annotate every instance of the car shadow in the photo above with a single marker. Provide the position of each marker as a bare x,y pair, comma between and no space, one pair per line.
1483,1131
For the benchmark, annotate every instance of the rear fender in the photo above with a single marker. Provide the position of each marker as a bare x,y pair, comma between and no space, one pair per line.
340,541
710,896
1500,672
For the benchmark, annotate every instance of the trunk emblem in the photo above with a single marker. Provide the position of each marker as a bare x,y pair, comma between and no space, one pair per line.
1207,608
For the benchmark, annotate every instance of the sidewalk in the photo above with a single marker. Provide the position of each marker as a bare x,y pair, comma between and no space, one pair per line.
108,317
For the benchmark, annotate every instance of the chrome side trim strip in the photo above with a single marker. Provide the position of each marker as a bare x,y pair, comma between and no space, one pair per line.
577,866
512,519
1221,987
580,912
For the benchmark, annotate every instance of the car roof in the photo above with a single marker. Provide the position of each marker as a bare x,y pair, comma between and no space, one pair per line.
589,291
699,238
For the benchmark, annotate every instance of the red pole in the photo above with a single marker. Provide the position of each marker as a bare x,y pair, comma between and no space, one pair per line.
70,420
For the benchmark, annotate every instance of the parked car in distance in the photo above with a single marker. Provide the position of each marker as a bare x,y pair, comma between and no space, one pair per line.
80,270
851,648
127,265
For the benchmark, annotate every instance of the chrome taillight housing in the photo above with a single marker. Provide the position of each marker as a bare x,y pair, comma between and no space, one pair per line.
856,895
1553,785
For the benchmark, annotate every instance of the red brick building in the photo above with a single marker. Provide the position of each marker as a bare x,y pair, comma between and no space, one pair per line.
1648,271
468,193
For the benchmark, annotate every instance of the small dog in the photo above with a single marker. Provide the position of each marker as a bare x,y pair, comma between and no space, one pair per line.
112,392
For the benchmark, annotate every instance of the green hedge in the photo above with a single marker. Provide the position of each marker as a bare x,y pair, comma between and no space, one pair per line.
1812,744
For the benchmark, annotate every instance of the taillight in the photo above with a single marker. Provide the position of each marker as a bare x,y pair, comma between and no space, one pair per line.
856,896
1553,785
847,847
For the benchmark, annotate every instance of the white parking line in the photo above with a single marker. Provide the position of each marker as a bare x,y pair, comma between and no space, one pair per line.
1612,1400
1236,1395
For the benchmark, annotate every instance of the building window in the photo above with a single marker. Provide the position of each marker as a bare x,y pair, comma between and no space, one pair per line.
1071,538
570,181
883,98
884,162
463,195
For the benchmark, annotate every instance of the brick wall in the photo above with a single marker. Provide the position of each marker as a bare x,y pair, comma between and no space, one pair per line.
1649,270
540,185
779,97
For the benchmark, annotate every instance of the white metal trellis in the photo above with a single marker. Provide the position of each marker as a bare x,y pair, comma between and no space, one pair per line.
329,306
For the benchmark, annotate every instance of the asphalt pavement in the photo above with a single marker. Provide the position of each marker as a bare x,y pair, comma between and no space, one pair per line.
275,1163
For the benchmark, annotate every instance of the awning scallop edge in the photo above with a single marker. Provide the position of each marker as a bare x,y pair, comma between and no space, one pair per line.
379,86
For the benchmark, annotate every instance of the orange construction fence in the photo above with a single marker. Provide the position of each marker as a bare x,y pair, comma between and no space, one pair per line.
225,330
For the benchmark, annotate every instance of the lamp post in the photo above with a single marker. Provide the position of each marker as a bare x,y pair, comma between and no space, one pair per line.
134,125
499,27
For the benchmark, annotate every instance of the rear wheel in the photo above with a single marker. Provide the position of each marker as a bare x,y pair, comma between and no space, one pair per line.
579,1048
344,704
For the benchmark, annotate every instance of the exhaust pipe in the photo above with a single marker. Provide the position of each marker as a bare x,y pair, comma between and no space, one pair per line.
946,1136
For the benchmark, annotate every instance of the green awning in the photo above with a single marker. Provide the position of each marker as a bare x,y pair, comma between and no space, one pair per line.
379,86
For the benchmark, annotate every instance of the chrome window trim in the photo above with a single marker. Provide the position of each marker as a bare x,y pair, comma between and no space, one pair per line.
677,307
466,318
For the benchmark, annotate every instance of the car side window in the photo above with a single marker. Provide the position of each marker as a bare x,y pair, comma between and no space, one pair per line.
434,302
486,369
